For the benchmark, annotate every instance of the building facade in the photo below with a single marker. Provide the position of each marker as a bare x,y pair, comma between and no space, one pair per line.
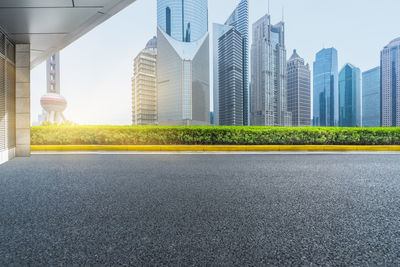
371,98
239,20
7,99
350,99
144,86
326,89
299,91
183,62
268,96
390,84
27,40
230,66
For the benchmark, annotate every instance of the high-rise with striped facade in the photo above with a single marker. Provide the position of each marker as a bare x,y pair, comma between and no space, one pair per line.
144,86
231,68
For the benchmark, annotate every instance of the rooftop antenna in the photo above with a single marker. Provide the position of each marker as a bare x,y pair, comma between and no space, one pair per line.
269,6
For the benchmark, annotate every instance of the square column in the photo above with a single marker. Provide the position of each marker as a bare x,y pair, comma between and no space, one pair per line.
23,100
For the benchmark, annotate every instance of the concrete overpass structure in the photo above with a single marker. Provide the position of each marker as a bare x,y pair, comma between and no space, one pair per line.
30,32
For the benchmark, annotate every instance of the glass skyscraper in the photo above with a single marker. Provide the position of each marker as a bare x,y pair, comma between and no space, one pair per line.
183,62
239,19
390,84
326,88
230,87
183,20
371,98
350,112
268,96
299,90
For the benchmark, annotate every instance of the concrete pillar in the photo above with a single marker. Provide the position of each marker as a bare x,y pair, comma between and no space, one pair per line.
23,100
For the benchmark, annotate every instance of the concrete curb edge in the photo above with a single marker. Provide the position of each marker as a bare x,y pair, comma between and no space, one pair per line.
208,148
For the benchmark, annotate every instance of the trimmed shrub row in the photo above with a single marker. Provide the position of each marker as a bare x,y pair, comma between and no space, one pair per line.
157,135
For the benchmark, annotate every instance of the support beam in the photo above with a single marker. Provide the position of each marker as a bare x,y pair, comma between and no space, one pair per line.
23,107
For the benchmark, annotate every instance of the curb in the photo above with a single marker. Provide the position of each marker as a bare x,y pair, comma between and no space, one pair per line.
207,148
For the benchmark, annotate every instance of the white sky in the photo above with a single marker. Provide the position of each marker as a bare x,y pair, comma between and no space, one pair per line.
96,70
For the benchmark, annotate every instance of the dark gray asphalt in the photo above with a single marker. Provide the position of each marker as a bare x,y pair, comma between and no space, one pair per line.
181,210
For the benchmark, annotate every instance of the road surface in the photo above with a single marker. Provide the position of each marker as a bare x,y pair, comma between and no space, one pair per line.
180,210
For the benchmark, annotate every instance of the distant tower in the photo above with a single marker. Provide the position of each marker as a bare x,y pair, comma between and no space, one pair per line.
350,97
268,75
371,100
144,86
299,91
183,76
390,84
230,85
326,89
53,103
239,19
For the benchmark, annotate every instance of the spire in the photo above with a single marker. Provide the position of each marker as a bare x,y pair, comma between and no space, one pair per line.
295,55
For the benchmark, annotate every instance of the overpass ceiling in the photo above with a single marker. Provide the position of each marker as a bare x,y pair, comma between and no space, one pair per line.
51,25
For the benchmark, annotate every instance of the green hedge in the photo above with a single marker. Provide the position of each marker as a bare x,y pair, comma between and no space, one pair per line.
149,135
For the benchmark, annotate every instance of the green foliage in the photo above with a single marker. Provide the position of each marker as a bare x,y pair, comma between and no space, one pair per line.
157,135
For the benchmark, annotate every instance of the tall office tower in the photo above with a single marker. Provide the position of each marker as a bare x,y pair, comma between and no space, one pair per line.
230,87
299,90
144,86
390,84
183,62
350,99
326,88
239,19
218,31
53,103
268,95
371,98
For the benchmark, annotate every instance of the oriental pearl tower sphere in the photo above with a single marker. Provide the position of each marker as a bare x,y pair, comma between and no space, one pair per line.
53,103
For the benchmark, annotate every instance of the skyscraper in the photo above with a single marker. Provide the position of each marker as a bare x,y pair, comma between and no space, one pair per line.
218,31
326,88
268,95
371,98
390,84
239,20
350,113
230,66
53,103
144,87
299,90
183,62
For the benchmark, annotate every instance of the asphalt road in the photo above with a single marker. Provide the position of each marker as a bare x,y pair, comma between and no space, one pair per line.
179,210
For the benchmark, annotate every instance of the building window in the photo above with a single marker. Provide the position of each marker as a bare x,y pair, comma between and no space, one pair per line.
168,20
187,39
